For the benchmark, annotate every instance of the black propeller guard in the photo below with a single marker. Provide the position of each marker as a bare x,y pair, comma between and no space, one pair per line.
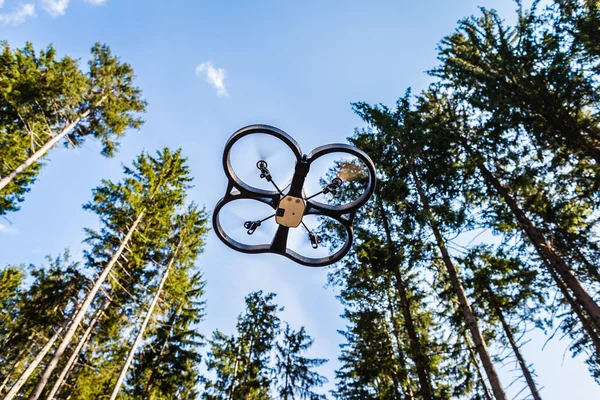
237,189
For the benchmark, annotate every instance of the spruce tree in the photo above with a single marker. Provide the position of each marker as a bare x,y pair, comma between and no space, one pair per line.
403,148
295,377
187,240
242,362
40,316
135,217
506,290
169,369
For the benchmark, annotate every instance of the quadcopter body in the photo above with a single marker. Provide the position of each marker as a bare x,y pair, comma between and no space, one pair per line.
290,204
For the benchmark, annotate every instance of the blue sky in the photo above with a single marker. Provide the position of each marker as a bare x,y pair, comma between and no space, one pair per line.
294,65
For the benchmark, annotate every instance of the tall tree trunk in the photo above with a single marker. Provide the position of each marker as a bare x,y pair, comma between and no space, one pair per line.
486,391
4,181
585,322
406,387
41,151
163,348
467,312
33,365
75,355
235,370
39,387
513,344
541,245
142,330
415,344
21,357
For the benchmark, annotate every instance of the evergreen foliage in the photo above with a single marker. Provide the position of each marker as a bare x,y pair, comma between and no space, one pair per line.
45,100
243,363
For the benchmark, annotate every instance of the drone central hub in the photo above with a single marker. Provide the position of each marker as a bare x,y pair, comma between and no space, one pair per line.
290,211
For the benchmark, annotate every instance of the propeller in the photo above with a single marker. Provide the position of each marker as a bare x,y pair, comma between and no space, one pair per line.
339,169
305,241
247,152
254,230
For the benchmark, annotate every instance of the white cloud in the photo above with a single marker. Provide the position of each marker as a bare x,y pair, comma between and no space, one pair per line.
55,7
8,229
214,76
18,16
96,2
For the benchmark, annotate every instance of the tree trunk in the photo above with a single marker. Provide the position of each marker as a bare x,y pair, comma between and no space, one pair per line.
75,355
486,391
406,386
587,325
41,151
142,330
33,365
39,387
4,181
541,245
150,382
479,341
235,368
513,344
21,357
415,345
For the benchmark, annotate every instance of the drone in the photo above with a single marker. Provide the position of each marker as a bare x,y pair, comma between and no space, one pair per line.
289,203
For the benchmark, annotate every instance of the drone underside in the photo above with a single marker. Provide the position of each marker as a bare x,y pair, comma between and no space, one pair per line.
290,209
290,205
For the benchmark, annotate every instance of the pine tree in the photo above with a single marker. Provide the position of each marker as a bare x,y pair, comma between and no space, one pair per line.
40,314
47,101
547,220
188,238
11,280
405,149
294,373
242,362
370,368
384,275
136,220
170,368
527,96
504,289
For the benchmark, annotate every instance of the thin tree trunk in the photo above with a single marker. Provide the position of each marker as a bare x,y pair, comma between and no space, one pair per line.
150,384
287,371
415,345
486,391
33,365
235,368
75,355
467,312
587,325
142,330
21,357
39,387
4,181
406,389
250,349
41,151
541,245
513,345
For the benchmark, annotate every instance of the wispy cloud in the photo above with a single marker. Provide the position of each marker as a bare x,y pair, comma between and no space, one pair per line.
96,2
8,229
18,16
214,76
55,7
